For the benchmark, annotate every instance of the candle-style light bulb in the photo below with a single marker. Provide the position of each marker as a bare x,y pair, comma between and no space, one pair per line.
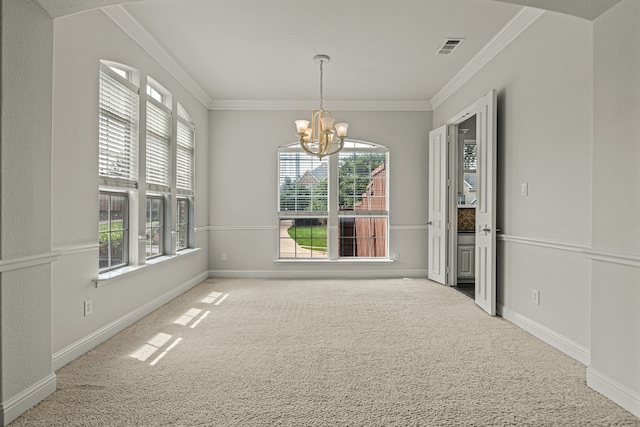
301,125
327,123
341,129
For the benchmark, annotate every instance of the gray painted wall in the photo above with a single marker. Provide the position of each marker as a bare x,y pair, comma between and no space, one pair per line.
615,269
244,189
25,208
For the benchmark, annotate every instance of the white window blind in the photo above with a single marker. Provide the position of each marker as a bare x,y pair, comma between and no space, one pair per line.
117,131
303,182
158,147
185,158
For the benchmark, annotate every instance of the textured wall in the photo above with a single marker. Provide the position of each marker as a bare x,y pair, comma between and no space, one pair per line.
615,332
25,212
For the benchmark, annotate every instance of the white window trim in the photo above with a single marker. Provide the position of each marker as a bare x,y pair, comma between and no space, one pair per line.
113,276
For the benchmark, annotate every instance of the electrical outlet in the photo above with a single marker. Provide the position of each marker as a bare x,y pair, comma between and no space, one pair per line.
88,307
535,296
223,256
396,256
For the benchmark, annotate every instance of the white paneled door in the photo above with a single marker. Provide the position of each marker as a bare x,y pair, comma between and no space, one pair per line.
486,125
437,201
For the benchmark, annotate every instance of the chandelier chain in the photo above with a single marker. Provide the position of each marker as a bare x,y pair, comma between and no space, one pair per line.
321,81
320,139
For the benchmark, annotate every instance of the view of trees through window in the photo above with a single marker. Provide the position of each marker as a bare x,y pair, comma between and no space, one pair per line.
113,230
355,172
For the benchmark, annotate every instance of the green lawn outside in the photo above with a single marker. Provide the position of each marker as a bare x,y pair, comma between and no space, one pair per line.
313,238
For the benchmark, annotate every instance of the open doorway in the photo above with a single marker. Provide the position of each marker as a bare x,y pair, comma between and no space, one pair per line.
466,182
447,188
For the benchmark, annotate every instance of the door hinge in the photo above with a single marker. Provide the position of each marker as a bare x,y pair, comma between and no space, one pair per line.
448,227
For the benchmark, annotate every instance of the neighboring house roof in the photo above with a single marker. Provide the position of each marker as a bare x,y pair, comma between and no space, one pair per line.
320,172
307,179
314,176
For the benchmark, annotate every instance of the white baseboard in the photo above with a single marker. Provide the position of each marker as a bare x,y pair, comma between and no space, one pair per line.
78,348
319,274
613,390
551,337
17,405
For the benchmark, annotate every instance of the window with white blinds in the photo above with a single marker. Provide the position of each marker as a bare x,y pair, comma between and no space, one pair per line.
118,131
144,153
158,146
185,157
353,223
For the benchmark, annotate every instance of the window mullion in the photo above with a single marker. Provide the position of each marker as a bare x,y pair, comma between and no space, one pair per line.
137,234
332,229
171,207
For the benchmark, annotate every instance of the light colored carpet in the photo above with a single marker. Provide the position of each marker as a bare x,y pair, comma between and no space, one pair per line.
248,352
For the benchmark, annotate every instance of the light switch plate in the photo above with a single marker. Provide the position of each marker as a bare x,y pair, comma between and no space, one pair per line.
524,189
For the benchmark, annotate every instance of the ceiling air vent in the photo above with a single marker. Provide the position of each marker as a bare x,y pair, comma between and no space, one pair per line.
449,46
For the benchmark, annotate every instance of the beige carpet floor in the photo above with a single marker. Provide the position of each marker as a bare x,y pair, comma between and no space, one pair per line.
248,352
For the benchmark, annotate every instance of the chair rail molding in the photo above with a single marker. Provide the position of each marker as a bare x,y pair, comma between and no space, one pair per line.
530,241
630,260
17,263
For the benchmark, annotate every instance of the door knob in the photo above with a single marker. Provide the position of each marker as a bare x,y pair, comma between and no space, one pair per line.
430,223
486,229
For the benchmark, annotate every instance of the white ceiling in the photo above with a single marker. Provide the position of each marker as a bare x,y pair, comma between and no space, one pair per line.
262,50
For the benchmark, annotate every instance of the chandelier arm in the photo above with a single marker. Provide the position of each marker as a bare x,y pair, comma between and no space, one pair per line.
304,147
338,149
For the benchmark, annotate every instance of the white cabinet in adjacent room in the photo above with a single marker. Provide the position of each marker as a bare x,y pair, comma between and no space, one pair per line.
466,257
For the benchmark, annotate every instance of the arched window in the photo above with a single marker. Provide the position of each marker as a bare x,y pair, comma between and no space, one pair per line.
117,160
335,207
185,159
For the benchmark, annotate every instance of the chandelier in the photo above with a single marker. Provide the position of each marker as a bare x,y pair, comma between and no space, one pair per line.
317,137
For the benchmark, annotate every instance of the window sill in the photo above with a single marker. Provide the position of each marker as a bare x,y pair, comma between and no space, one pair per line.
336,261
109,277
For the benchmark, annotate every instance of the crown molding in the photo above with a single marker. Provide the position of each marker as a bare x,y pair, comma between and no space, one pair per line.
221,104
520,22
123,19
